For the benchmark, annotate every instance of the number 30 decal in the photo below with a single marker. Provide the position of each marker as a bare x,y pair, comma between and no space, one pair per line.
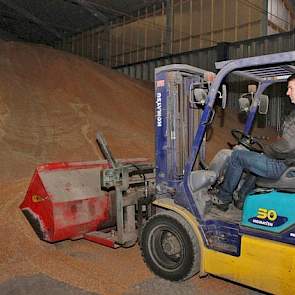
263,213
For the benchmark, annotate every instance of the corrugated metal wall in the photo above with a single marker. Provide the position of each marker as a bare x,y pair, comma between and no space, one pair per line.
203,58
206,58
176,26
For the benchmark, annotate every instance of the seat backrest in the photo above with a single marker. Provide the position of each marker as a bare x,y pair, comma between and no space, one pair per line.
285,183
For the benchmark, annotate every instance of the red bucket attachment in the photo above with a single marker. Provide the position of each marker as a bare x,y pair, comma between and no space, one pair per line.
65,201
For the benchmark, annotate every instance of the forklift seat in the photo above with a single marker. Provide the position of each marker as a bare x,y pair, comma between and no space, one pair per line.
201,179
205,178
285,183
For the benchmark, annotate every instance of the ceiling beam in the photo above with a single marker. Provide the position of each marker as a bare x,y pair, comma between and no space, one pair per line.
146,3
6,35
91,7
31,17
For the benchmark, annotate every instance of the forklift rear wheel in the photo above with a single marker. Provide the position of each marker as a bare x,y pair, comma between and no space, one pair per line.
170,247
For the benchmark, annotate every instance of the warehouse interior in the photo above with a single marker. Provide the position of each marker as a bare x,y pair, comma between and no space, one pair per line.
71,68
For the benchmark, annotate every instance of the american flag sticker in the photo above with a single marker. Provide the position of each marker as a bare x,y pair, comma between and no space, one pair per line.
160,83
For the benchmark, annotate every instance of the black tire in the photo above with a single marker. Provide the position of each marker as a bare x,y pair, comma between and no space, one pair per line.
170,247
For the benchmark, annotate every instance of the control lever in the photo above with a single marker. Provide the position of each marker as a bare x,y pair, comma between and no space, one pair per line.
105,150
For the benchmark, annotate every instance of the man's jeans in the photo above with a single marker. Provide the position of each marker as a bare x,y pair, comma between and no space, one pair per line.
258,164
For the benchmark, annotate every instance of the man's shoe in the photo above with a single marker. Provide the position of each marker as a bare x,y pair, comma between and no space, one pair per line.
222,207
219,204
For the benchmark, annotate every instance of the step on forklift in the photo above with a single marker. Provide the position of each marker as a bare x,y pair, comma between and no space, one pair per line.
179,234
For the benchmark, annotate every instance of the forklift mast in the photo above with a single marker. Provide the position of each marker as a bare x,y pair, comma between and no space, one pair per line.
176,120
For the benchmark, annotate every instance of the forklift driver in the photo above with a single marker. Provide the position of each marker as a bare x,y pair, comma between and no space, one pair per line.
277,157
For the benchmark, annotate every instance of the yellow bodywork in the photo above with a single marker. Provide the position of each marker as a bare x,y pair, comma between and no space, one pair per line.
263,264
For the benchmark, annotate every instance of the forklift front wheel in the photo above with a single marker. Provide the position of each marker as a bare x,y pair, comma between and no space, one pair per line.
170,247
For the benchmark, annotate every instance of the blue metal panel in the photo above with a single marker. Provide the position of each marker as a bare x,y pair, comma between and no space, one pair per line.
270,216
271,212
222,236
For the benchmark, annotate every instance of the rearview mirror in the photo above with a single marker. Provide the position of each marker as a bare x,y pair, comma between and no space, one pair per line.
224,96
263,104
200,96
244,104
246,99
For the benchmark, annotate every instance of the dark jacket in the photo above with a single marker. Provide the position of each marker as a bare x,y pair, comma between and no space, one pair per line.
284,148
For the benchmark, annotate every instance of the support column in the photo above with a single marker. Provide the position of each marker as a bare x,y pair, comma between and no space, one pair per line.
222,52
105,46
169,27
264,18
222,49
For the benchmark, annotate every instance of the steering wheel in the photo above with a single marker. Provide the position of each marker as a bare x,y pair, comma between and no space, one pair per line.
249,142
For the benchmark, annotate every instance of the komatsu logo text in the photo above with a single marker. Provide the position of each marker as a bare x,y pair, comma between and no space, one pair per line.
159,109
268,217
